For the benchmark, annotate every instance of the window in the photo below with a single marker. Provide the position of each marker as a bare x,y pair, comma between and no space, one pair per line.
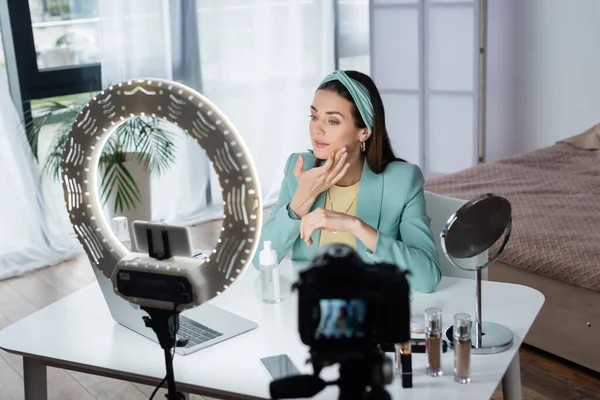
65,32
57,47
58,43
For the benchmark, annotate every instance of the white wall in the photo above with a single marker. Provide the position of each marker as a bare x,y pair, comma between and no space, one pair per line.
543,73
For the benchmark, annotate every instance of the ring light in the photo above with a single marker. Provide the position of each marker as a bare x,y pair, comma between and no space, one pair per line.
203,121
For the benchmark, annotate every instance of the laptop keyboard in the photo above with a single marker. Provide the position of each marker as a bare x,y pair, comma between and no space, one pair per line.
195,332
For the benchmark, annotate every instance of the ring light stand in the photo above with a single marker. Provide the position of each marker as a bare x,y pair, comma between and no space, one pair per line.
182,282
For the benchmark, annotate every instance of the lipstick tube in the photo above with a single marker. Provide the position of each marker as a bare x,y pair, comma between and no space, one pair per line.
404,364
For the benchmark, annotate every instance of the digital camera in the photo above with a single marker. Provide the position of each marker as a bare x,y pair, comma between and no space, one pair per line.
347,305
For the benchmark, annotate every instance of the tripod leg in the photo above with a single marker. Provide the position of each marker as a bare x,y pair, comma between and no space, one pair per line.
170,376
163,323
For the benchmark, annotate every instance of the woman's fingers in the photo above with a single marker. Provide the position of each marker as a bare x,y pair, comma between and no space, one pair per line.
340,174
340,158
340,154
329,162
308,237
332,159
304,225
339,165
307,230
313,221
308,227
299,167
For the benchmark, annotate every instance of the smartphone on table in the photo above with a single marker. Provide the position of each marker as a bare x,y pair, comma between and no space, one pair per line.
279,366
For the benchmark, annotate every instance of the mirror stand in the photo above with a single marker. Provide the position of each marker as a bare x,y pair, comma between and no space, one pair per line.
472,230
486,337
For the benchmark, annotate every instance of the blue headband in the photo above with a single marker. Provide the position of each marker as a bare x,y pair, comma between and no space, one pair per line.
359,93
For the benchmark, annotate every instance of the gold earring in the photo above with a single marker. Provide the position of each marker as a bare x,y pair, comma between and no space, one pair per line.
363,146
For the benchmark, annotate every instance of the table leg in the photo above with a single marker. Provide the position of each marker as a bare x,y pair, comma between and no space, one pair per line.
511,382
35,379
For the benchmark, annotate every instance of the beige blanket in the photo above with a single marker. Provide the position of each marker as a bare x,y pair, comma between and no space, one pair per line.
555,194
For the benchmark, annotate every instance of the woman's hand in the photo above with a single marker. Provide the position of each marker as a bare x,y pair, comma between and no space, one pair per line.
313,182
327,220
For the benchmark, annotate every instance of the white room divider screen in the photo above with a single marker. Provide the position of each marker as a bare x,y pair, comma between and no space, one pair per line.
427,62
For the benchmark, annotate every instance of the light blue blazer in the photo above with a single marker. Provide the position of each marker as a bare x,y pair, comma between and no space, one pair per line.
391,202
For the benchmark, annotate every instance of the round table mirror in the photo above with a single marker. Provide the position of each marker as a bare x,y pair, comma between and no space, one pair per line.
472,230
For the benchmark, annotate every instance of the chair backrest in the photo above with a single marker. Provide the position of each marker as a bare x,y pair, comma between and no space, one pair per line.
439,209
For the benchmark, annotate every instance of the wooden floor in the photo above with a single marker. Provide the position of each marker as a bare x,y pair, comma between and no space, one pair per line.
544,377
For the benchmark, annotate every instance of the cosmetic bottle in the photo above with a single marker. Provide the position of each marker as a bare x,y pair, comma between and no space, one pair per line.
120,227
417,323
462,348
269,275
433,341
403,367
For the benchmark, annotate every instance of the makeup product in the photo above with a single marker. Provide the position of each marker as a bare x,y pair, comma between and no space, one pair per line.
404,364
269,274
419,346
462,348
417,323
120,227
433,340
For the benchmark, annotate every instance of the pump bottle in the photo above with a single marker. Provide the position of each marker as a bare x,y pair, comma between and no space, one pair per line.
269,274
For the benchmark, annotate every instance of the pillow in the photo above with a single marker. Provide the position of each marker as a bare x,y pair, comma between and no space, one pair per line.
589,140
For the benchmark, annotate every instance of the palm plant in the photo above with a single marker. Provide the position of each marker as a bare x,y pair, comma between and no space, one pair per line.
145,137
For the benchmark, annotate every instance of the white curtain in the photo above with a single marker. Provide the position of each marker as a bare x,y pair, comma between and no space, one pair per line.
34,232
136,42
259,61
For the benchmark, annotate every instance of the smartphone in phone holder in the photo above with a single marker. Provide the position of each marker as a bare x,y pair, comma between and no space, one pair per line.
162,241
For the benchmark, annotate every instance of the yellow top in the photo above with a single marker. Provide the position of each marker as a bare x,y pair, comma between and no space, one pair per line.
340,199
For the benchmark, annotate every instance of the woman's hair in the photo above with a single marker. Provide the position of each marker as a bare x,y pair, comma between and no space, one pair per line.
379,152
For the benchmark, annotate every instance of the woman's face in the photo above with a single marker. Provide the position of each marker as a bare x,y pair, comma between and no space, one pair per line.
332,125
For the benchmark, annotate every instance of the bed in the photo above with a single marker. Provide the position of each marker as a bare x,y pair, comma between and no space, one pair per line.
555,240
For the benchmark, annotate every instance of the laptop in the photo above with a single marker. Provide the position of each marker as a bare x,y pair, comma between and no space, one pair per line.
202,326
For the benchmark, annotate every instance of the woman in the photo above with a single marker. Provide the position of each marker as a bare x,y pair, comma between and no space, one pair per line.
351,188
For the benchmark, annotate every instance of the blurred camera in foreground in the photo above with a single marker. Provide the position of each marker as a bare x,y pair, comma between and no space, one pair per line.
348,310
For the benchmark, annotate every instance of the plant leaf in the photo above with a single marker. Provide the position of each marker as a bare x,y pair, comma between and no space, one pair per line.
53,164
147,137
116,177
33,126
128,187
32,130
154,144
